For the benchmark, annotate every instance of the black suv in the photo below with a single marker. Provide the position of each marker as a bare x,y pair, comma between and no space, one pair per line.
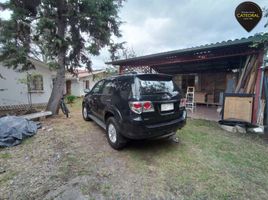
135,106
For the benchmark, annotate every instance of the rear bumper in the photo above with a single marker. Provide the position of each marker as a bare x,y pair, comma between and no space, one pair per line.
136,129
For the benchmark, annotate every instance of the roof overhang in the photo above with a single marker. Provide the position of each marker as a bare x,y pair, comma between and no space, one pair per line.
225,55
36,62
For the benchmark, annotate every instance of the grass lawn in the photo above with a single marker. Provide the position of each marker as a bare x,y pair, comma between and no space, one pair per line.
207,163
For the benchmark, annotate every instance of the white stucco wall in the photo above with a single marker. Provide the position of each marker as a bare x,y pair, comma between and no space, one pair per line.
78,85
83,83
12,92
81,88
75,88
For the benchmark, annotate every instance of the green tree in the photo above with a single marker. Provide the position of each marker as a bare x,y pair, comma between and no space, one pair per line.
118,51
262,38
64,33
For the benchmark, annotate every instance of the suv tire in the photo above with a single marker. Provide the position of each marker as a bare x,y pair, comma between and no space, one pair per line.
85,113
115,139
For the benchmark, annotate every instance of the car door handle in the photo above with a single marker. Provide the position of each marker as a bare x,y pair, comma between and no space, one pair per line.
108,100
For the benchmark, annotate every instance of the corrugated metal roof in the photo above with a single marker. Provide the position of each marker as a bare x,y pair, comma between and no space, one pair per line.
211,46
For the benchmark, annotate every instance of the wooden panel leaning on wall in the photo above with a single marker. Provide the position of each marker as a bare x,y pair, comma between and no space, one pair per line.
238,108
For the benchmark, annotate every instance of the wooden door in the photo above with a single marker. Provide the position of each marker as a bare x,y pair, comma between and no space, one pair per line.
87,84
68,87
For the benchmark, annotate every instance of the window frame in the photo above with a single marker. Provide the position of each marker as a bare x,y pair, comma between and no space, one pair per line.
32,83
113,82
101,86
121,88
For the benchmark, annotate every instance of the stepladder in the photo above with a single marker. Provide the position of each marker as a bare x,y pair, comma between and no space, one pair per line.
190,101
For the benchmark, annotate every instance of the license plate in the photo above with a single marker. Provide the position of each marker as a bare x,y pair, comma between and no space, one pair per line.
167,107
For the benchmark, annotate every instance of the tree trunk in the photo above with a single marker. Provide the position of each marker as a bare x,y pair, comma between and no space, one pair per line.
58,86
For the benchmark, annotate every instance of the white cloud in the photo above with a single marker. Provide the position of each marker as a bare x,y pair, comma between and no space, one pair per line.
5,14
138,35
161,25
157,26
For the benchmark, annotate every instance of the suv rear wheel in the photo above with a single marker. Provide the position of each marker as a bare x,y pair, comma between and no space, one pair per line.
85,113
115,139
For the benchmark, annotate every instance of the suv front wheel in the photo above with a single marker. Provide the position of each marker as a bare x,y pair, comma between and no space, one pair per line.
115,139
85,113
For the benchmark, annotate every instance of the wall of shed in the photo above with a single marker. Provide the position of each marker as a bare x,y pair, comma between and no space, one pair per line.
209,84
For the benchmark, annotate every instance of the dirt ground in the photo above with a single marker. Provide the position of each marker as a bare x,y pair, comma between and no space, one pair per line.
71,159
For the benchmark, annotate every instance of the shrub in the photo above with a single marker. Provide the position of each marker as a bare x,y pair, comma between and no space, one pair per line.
70,98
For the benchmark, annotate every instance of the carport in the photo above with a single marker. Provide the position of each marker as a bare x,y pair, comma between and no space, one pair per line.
212,69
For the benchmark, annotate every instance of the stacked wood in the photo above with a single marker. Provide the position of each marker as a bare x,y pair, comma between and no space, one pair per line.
247,84
210,98
200,97
248,77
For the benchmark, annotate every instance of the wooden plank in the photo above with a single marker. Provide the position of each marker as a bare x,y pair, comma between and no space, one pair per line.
37,115
238,108
200,97
257,88
250,82
242,75
210,98
255,76
252,79
247,72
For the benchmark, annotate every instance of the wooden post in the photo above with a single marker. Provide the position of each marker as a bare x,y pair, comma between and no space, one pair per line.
257,88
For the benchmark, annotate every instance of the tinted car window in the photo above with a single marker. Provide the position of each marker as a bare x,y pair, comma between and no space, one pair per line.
97,88
156,85
108,87
152,87
125,86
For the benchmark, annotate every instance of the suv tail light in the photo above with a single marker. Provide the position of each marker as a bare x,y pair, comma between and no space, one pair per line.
183,102
141,106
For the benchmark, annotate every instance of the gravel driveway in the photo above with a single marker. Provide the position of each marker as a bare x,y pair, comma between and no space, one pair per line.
71,159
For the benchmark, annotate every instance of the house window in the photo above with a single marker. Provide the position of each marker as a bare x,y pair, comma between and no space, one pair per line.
35,83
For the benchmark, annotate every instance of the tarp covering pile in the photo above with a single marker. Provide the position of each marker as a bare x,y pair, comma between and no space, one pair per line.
14,129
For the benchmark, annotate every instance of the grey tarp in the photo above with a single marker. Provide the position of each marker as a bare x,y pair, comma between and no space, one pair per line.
14,129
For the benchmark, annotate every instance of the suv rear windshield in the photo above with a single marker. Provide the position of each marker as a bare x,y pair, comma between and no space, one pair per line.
156,85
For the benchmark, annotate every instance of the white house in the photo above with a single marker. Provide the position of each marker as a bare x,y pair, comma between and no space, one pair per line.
35,86
14,89
75,85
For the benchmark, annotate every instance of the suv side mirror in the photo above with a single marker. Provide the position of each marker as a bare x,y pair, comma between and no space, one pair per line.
86,91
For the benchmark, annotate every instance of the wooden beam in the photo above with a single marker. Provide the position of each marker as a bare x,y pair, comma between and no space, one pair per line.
189,58
196,69
192,71
257,88
37,115
197,66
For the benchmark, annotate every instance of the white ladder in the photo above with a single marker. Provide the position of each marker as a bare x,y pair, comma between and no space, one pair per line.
190,103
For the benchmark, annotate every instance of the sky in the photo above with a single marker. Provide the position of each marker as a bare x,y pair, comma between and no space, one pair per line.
153,26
